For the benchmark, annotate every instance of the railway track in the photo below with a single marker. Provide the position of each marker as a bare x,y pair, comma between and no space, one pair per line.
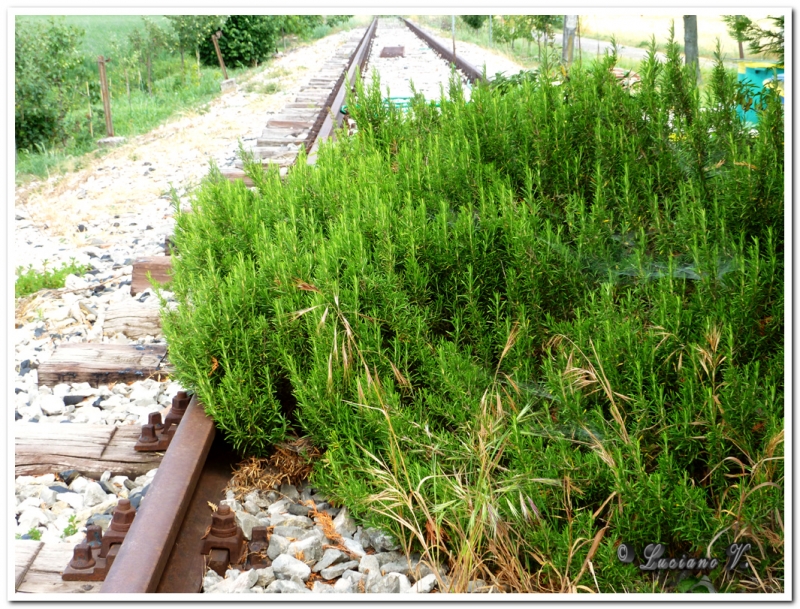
159,547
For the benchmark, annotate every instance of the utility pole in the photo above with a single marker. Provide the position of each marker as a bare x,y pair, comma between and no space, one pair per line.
490,31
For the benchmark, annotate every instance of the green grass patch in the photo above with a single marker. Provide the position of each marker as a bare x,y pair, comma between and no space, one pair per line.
100,29
524,329
30,280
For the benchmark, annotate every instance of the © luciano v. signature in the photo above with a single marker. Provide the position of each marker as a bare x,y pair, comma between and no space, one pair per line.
656,561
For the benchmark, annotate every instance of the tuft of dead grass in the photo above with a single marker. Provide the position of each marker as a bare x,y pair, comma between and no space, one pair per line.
291,463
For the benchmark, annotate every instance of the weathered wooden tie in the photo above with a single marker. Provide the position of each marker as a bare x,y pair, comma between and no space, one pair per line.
133,319
43,573
90,449
158,268
102,364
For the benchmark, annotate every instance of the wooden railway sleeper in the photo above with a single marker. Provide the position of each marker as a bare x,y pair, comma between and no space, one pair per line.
93,557
156,435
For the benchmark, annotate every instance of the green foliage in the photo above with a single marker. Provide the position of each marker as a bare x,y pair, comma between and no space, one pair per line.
31,280
249,39
542,28
246,40
193,30
35,534
501,82
474,21
550,315
737,26
47,69
764,40
71,528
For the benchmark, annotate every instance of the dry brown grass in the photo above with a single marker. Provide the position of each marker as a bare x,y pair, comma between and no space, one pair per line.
291,463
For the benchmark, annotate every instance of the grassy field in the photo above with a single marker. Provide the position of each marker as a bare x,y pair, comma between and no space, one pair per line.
101,30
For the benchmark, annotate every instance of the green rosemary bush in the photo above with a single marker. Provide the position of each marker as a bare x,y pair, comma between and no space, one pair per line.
523,329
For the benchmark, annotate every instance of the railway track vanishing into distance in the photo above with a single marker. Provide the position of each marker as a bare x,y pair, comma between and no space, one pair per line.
167,545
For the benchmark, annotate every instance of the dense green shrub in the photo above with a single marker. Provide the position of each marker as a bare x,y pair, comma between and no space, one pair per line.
246,40
48,68
474,21
249,39
524,328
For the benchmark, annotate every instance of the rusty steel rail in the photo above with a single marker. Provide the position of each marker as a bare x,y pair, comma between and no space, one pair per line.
331,116
472,73
159,531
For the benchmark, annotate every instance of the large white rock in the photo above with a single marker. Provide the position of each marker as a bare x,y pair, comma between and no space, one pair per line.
343,524
307,550
265,576
94,494
48,496
79,484
277,545
74,500
286,567
51,405
424,585
73,282
32,517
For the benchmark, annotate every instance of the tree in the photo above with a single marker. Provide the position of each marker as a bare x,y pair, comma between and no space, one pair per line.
192,30
148,43
767,41
246,40
544,26
737,28
474,21
48,74
690,43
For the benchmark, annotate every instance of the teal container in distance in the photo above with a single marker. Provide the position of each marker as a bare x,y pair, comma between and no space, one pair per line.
759,74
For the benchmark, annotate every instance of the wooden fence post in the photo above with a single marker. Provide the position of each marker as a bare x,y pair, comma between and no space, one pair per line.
101,62
215,38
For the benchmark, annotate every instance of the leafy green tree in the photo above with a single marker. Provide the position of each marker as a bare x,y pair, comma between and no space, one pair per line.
767,41
191,31
474,21
48,71
737,28
155,40
246,40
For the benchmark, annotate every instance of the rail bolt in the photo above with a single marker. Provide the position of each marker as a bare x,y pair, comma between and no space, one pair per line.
82,557
180,402
223,522
258,546
94,536
154,419
148,435
123,516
